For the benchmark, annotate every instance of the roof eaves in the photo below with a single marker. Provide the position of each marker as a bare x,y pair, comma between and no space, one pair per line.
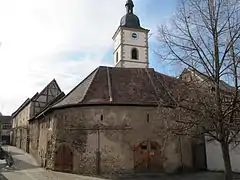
78,85
24,104
94,73
49,105
105,104
34,96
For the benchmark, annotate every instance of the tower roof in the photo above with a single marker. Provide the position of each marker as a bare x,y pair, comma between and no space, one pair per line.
130,19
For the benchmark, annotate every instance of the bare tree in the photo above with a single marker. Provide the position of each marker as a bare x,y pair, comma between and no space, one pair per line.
204,36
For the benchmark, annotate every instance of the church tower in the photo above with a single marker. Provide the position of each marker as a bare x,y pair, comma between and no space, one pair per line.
130,41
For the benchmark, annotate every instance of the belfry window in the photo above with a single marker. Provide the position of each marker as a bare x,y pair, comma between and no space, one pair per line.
134,53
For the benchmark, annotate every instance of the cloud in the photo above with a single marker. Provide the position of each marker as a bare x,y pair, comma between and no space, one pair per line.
46,39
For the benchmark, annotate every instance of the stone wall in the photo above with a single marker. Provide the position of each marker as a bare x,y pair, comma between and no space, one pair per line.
42,141
34,138
20,137
17,137
123,128
24,138
20,127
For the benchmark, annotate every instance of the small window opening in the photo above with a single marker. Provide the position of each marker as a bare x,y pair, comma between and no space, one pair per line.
117,57
134,53
101,117
147,117
144,147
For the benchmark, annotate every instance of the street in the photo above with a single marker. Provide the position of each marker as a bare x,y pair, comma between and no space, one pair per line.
26,168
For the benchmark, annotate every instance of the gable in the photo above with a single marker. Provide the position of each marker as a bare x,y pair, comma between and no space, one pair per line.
46,96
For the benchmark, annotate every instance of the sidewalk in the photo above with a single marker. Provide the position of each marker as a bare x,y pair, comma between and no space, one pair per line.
26,168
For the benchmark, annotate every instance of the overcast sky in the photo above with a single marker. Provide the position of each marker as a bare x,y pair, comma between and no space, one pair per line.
62,39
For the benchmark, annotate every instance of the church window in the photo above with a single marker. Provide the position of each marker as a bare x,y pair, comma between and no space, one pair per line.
117,57
134,53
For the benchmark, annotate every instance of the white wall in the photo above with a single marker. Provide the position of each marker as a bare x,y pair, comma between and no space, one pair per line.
119,55
215,160
142,53
132,64
140,41
22,117
123,45
117,47
117,40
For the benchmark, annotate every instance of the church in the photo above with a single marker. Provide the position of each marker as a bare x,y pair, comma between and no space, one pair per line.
113,121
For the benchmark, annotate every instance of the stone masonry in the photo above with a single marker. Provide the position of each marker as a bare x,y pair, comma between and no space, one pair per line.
122,129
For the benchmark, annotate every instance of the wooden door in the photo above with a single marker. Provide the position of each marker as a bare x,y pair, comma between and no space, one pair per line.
147,157
64,159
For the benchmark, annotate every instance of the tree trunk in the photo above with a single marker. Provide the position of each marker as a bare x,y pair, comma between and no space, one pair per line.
227,161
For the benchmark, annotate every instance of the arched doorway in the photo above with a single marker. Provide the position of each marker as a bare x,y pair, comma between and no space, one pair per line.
64,159
147,157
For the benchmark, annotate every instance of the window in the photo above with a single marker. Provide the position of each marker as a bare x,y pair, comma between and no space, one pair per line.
134,53
6,126
147,117
117,57
144,147
213,89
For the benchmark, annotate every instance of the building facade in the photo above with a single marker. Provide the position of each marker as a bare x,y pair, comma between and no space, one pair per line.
108,139
29,109
100,127
114,121
213,153
5,129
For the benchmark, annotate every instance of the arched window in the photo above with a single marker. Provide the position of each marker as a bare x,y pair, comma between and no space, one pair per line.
116,57
134,53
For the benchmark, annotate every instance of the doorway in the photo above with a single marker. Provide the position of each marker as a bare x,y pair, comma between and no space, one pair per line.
147,157
64,159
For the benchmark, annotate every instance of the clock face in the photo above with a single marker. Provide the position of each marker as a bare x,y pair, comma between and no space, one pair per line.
134,35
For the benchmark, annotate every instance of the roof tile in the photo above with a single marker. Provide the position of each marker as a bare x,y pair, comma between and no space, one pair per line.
124,86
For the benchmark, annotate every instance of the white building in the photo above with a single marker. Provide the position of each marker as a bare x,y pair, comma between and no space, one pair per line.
215,158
